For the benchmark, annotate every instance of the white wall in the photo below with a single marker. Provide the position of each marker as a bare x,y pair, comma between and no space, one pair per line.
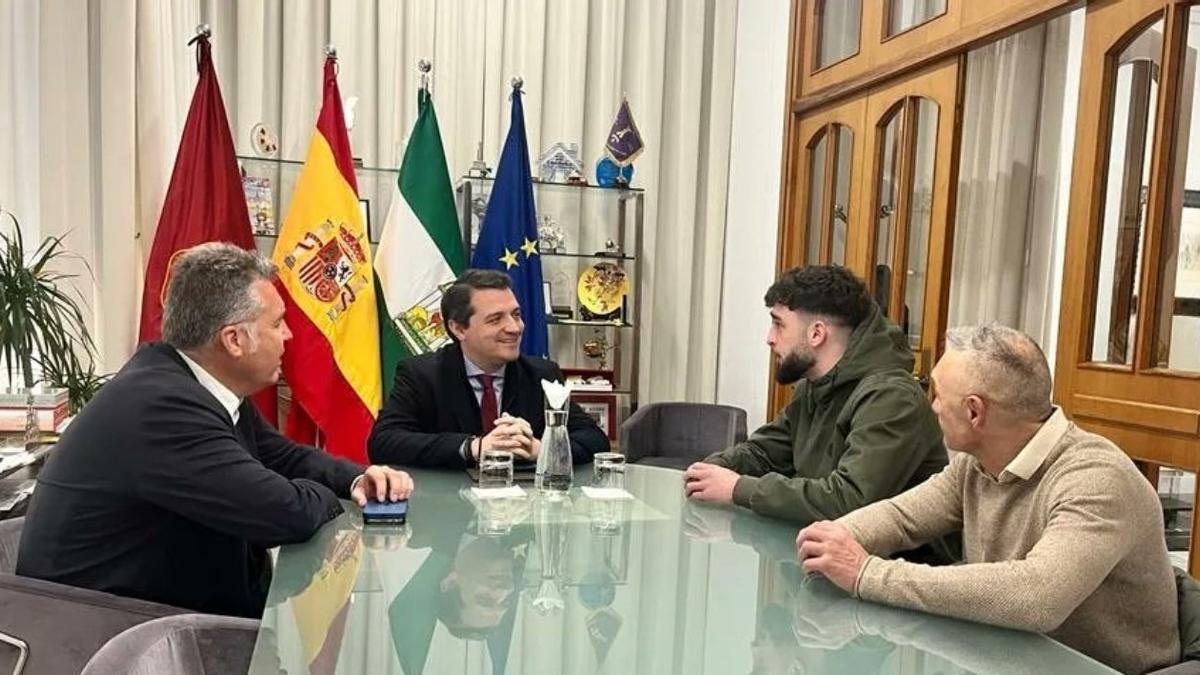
752,213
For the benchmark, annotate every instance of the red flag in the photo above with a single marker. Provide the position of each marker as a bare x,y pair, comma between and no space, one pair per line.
205,202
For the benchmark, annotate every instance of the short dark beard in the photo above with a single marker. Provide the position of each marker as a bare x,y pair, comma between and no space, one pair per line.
793,367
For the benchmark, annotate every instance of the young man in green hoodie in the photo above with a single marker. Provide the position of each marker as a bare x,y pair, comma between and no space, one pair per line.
858,429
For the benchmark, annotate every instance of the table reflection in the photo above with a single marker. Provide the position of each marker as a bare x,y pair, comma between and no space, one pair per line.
653,584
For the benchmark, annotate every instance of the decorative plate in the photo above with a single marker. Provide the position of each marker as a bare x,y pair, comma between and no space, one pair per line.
602,288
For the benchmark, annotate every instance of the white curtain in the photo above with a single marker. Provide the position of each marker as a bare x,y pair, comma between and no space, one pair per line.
906,14
1007,261
19,165
840,25
110,117
67,148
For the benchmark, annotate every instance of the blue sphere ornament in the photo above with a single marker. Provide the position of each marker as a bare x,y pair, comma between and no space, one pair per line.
610,174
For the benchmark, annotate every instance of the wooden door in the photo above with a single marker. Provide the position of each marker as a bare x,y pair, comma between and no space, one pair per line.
828,186
1128,360
896,210
912,171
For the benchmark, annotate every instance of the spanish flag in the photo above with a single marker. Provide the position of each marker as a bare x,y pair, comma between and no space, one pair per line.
327,282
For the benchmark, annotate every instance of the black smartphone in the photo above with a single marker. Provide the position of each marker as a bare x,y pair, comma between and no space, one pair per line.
386,513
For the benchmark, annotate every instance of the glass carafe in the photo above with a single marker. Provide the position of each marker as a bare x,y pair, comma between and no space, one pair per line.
554,469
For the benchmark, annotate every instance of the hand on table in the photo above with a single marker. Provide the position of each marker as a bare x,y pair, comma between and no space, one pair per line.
381,483
829,549
710,483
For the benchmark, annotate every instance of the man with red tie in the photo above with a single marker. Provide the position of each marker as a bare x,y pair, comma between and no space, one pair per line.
476,393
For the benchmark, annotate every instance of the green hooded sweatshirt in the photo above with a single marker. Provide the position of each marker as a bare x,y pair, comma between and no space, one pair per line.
861,433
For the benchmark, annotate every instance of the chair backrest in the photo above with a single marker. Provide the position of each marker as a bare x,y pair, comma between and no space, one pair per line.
10,542
184,643
686,432
1188,594
62,625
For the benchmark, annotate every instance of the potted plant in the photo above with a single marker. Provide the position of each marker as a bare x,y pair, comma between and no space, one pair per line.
40,318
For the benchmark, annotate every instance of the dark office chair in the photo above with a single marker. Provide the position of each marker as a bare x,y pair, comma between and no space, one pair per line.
52,628
676,434
10,541
1188,594
182,644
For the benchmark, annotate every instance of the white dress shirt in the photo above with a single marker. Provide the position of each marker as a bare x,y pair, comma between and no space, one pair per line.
228,400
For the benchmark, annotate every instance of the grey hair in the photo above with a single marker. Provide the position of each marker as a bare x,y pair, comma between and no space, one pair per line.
209,287
1007,366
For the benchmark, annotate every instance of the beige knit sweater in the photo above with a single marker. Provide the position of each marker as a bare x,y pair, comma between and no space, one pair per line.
1067,541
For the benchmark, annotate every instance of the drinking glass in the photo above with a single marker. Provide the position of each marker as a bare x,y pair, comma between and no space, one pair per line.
495,468
609,470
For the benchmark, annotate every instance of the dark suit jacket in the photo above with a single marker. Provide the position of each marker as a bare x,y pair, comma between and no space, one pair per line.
153,493
432,410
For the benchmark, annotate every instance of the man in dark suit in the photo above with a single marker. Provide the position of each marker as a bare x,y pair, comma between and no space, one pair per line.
438,414
169,486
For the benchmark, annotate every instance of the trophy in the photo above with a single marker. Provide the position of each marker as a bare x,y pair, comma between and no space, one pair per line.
479,168
559,162
550,235
597,347
611,250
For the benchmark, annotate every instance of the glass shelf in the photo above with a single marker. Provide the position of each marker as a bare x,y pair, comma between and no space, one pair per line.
602,392
298,163
555,321
565,186
587,256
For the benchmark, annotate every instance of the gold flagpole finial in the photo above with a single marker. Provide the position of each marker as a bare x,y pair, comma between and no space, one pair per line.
202,32
424,67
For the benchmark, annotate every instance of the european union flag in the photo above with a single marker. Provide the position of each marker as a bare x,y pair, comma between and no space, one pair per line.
508,237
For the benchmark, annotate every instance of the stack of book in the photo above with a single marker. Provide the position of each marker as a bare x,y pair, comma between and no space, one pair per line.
50,407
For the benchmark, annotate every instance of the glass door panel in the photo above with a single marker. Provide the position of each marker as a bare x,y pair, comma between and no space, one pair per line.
840,213
839,24
816,196
887,187
1126,193
905,15
1177,325
920,214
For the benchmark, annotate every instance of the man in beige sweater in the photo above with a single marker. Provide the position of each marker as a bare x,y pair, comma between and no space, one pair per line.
1061,534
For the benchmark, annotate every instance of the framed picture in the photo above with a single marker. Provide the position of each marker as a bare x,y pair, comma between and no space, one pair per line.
364,207
602,408
260,204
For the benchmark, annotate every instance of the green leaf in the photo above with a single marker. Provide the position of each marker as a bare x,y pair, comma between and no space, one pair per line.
40,317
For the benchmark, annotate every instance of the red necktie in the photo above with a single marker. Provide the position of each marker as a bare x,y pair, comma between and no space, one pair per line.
487,404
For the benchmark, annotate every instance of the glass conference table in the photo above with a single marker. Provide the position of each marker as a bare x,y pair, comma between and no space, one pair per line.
652,584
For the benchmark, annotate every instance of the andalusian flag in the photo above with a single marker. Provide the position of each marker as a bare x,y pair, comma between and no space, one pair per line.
327,283
421,248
